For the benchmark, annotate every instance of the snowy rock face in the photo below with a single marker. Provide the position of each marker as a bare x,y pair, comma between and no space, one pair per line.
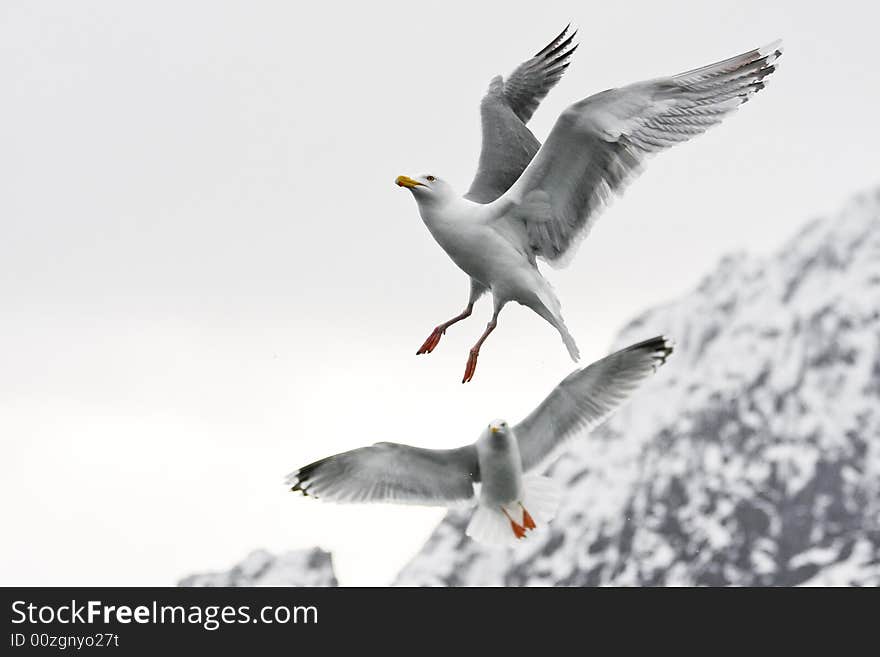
752,458
260,568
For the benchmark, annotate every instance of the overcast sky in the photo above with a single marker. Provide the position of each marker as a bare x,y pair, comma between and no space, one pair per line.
208,277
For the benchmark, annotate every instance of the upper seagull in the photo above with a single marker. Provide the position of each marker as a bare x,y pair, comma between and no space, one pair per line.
506,460
529,201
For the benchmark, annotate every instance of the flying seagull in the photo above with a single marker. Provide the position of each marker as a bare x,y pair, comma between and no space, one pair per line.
506,460
529,201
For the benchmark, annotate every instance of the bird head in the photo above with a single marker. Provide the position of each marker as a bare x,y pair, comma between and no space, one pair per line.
499,430
426,188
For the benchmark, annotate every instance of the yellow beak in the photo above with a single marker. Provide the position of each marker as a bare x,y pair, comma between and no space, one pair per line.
493,429
406,181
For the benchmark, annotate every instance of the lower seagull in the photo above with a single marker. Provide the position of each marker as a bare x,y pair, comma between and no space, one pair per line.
506,461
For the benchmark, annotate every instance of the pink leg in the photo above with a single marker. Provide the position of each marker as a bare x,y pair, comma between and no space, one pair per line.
434,339
475,350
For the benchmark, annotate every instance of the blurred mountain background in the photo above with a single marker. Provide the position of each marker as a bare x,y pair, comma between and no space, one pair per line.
262,568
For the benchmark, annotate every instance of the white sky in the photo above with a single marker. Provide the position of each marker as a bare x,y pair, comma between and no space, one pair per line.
208,277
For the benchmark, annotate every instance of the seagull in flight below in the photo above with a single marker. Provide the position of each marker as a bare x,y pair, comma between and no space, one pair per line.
506,460
529,201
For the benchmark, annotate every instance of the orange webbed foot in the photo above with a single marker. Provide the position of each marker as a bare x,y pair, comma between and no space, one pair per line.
471,367
518,530
527,518
432,341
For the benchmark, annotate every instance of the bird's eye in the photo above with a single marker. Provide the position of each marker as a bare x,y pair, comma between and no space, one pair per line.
430,178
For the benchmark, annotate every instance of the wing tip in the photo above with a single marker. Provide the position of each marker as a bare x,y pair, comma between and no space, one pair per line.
667,348
659,348
561,51
296,485
555,42
772,50
770,55
299,480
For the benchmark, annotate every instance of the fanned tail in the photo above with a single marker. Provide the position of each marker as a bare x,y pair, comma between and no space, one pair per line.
508,524
541,497
490,526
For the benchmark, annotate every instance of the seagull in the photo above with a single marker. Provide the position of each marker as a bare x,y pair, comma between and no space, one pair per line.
529,201
506,461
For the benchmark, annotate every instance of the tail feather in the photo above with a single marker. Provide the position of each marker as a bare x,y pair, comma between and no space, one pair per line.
541,497
567,338
547,305
491,526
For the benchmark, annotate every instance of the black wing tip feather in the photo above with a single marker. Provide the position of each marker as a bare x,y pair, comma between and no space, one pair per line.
300,478
555,41
660,347
559,46
768,57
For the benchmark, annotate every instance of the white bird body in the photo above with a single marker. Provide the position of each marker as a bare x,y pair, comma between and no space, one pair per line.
530,201
478,240
505,461
500,466
464,230
472,236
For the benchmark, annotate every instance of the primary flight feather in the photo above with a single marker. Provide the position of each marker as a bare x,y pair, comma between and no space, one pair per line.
506,461
529,201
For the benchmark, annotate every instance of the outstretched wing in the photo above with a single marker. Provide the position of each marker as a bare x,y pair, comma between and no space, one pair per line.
391,472
585,398
508,145
599,144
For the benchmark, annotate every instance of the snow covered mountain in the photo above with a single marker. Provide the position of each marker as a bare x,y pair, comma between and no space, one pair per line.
752,458
260,568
